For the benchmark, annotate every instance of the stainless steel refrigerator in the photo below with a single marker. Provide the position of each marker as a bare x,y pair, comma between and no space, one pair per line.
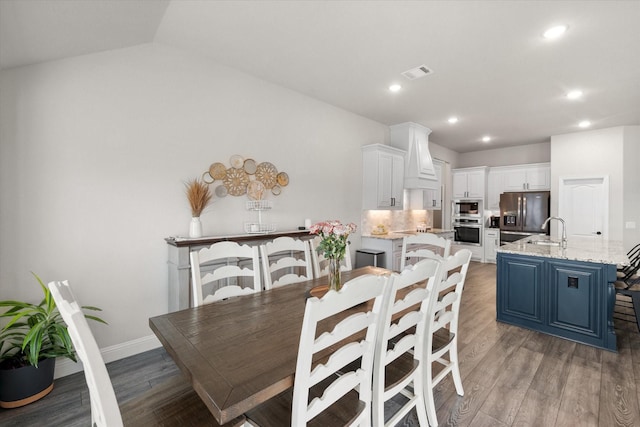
522,214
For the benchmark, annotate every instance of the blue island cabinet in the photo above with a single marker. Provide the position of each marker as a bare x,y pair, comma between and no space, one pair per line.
564,298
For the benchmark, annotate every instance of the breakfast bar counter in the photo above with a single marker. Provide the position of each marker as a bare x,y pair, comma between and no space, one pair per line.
562,291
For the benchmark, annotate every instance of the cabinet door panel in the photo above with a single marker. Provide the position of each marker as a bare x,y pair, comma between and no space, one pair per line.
475,184
495,189
459,185
520,289
385,180
574,296
515,180
539,178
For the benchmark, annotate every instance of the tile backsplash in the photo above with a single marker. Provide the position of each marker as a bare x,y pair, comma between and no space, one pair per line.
394,220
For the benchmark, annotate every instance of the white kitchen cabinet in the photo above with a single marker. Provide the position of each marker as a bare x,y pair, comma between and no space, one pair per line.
432,199
530,177
477,252
527,178
494,188
491,242
383,177
469,183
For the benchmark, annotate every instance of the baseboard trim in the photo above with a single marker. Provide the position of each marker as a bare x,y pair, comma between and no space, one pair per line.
112,353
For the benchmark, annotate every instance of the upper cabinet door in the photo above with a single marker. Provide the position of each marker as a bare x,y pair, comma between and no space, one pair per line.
383,176
527,178
476,184
469,183
515,180
539,178
459,190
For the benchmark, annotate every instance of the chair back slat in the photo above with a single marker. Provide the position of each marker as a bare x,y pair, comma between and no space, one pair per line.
412,247
226,277
285,261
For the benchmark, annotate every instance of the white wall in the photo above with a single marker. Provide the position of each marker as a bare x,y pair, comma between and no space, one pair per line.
591,153
523,154
94,151
631,156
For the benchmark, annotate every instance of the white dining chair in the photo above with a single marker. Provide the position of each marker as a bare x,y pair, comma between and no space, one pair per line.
442,325
398,357
321,264
285,261
172,403
225,279
321,396
414,247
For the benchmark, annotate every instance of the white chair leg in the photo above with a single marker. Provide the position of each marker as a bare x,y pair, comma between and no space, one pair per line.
421,407
455,371
429,400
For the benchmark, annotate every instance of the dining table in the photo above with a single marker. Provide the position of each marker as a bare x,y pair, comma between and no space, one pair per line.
240,352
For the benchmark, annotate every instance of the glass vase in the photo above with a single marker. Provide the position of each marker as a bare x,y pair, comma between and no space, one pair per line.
335,282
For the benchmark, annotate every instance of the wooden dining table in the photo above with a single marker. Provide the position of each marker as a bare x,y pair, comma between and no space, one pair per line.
240,352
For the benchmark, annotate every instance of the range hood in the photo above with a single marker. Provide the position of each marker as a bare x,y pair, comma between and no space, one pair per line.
418,168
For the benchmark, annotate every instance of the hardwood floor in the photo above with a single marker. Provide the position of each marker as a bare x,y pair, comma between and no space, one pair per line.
511,376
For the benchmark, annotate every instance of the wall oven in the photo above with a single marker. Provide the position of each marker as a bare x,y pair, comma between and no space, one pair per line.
467,231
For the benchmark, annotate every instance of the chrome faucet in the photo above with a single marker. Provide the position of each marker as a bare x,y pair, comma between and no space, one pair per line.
564,228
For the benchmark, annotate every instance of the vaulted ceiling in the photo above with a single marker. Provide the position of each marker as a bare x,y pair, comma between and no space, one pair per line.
491,67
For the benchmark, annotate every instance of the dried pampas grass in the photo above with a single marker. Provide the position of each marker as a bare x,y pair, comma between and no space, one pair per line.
198,195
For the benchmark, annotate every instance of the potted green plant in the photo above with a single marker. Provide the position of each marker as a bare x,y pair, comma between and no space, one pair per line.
33,337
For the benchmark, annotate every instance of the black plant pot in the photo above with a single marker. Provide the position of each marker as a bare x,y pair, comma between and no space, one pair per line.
19,387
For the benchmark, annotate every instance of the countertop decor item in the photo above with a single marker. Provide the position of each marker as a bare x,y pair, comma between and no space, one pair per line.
29,344
334,236
199,196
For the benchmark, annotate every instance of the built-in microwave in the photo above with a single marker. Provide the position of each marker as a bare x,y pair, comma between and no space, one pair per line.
467,208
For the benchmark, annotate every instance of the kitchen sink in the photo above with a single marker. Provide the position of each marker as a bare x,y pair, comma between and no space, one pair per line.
544,242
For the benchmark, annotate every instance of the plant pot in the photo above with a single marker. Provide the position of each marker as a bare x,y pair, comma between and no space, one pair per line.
19,387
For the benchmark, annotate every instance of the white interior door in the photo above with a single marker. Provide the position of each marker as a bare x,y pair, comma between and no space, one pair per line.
584,205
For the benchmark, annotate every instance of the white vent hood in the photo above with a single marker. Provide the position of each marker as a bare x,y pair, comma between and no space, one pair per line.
418,169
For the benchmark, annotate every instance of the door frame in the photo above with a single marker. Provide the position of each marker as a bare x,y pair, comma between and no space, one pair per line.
586,178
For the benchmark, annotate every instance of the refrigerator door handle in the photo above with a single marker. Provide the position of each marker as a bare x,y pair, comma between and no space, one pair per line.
519,215
524,212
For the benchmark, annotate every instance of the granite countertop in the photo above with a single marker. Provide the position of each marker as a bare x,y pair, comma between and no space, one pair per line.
578,249
392,235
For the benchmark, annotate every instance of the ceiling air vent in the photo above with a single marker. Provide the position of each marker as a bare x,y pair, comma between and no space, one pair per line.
416,73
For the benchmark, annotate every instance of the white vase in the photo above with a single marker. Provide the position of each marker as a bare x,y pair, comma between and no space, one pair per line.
195,228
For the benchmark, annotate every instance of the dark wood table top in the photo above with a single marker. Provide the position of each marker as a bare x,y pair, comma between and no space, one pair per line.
241,352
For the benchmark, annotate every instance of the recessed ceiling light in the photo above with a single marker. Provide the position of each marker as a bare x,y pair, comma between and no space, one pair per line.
574,94
584,124
453,120
555,32
395,88
486,138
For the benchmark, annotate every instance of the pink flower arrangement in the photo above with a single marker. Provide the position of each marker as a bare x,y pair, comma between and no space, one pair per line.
334,237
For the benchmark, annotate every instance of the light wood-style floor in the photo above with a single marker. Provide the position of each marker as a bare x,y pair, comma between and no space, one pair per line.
511,376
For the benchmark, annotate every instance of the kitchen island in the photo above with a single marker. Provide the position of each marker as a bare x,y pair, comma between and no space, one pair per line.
566,292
